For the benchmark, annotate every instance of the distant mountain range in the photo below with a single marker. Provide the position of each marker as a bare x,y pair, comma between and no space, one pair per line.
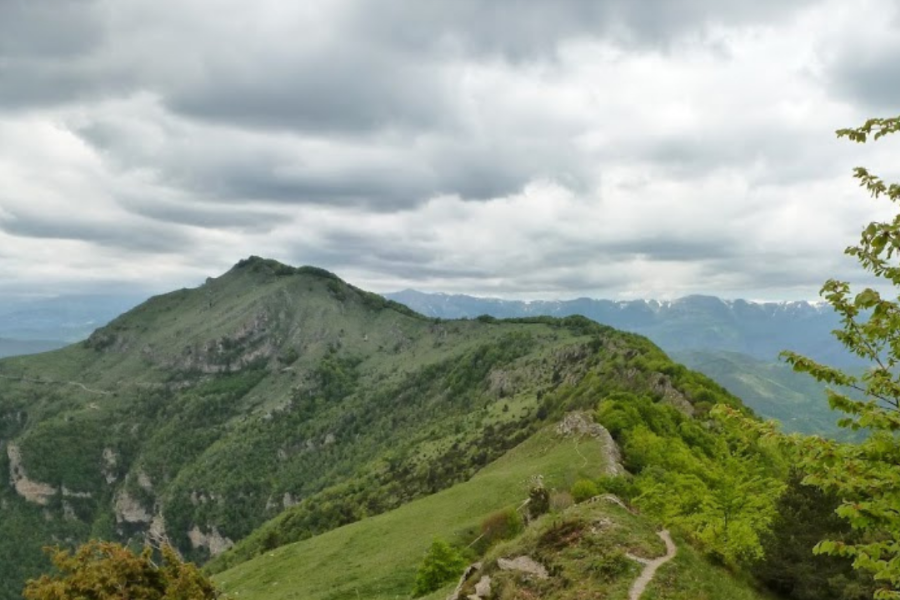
757,329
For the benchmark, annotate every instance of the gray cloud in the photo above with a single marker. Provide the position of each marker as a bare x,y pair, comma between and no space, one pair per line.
870,77
520,30
141,238
405,141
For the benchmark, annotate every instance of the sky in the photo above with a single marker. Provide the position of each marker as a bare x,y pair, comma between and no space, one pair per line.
519,149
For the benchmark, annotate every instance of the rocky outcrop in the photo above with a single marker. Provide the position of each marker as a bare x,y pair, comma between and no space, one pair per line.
580,424
523,564
662,385
110,464
470,570
128,509
35,492
213,541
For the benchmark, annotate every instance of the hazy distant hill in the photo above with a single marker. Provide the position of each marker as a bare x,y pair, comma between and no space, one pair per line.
68,318
10,347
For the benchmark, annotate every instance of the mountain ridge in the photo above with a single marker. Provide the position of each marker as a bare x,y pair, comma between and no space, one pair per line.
346,404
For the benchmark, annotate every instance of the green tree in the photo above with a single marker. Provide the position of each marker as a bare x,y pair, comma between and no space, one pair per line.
107,571
864,475
442,564
804,515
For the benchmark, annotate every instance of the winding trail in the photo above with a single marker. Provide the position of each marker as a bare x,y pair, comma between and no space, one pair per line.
650,566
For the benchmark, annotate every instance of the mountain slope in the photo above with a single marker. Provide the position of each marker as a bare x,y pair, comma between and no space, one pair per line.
771,389
735,343
280,392
377,557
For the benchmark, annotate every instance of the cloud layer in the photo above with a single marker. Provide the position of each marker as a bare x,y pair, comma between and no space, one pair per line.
531,149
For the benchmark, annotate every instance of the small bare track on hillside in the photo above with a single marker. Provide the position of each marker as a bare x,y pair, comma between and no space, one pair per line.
650,566
52,382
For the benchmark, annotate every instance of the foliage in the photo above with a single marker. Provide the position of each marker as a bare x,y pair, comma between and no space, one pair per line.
865,474
538,500
715,483
805,515
584,489
108,571
442,564
501,525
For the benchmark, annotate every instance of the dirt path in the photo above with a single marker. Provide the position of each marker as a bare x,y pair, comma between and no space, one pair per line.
52,382
650,566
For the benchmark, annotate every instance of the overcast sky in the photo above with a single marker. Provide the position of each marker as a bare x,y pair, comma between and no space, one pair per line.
609,148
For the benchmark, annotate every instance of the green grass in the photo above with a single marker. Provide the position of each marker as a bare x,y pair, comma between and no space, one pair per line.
689,576
377,557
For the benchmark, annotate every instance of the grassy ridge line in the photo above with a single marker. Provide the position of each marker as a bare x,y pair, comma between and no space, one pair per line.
377,557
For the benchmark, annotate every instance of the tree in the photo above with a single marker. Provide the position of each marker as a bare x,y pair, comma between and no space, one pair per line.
442,564
804,515
107,571
864,475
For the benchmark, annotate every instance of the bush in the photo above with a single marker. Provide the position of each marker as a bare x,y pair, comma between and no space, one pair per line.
561,501
610,565
620,486
584,489
538,500
442,564
108,571
501,525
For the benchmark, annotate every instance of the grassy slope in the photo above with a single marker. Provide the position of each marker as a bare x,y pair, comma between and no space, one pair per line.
689,576
377,557
772,390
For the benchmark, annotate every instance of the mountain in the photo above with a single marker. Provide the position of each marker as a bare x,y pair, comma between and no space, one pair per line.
772,389
736,343
274,403
757,329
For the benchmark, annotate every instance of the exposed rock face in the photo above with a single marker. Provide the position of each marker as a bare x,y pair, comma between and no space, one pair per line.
129,510
110,462
523,564
33,491
579,423
144,481
72,494
483,587
470,570
502,383
663,385
214,541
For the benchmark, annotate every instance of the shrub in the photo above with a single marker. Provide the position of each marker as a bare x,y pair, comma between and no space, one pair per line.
501,525
538,500
584,489
610,565
108,571
620,486
442,564
561,501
